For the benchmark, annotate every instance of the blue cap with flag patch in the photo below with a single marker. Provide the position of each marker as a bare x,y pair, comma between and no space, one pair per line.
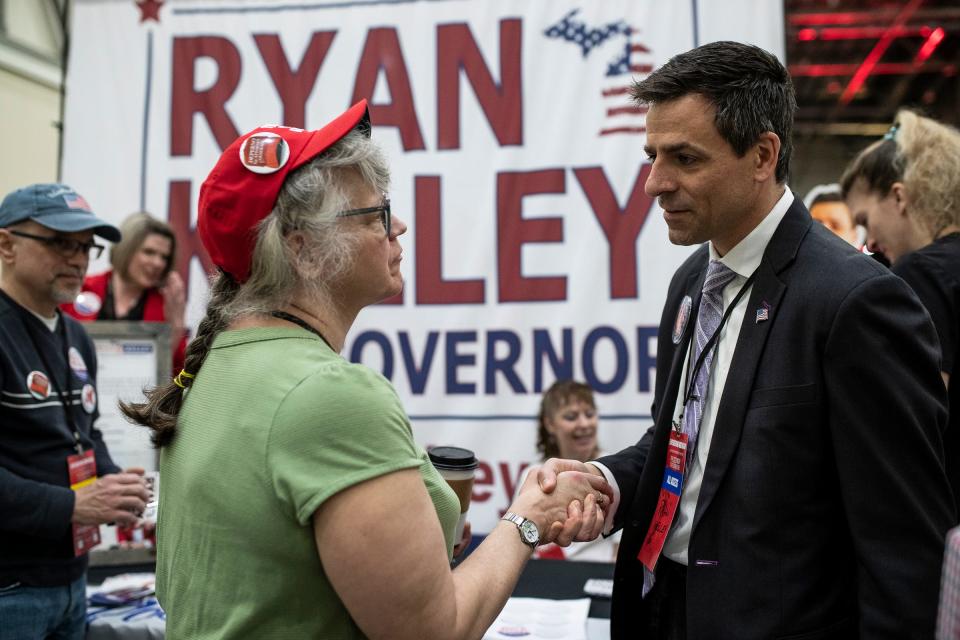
57,207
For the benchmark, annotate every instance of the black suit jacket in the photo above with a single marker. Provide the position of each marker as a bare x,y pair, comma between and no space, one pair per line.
824,502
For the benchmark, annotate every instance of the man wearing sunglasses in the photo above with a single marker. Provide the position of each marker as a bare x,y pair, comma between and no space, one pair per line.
57,480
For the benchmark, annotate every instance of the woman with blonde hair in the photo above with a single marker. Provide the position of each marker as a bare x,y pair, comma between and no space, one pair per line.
141,284
905,189
294,502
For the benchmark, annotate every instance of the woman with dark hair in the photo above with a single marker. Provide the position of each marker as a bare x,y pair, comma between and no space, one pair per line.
294,500
141,285
905,189
567,428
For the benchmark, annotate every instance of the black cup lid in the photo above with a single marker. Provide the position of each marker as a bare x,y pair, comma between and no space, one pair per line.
455,458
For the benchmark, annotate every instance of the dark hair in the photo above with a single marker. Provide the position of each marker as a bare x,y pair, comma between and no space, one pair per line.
560,393
750,89
826,197
879,166
134,230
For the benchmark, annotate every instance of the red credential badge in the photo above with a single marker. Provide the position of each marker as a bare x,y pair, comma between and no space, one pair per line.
667,502
82,468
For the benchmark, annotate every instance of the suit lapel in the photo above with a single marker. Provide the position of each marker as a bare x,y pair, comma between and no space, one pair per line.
767,293
692,288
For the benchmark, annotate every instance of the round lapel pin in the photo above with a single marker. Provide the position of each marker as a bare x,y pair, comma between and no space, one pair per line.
683,316
38,384
88,304
88,398
77,365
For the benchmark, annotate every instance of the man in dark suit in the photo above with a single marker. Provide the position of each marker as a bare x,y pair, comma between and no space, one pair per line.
792,484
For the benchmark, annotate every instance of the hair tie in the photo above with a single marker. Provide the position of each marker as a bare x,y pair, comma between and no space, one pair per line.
892,133
177,381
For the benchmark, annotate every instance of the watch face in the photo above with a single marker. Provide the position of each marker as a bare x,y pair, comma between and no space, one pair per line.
530,533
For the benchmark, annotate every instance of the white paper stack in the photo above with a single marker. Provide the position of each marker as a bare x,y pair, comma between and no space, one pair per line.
537,618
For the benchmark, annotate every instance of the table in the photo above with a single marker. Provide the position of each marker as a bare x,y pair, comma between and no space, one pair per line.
555,579
562,580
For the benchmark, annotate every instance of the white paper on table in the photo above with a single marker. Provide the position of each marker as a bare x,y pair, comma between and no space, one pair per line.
539,618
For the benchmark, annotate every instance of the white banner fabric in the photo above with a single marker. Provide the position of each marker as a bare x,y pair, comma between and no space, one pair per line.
533,252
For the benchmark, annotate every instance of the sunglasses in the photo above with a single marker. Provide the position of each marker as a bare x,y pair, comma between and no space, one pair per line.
66,247
383,209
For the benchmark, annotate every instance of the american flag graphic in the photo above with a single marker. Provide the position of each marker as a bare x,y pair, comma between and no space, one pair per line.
633,61
76,201
763,313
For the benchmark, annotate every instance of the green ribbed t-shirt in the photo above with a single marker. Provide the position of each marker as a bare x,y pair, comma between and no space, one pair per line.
273,425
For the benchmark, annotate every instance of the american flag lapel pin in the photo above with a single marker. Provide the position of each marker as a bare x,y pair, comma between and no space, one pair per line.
763,313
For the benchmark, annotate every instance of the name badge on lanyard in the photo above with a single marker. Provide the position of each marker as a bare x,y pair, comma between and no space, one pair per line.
667,502
82,468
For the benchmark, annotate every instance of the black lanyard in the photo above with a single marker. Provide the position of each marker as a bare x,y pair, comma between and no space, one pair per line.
289,317
64,397
691,381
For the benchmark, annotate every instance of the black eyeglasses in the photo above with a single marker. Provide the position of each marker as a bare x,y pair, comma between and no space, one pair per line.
66,247
382,209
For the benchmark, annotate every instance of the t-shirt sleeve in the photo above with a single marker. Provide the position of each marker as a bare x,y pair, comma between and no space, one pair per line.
925,277
339,427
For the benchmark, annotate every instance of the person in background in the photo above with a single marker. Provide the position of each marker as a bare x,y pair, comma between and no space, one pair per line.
295,502
57,480
790,487
567,428
142,284
826,205
905,189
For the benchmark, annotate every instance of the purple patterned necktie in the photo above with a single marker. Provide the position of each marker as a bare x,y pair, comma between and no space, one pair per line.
708,320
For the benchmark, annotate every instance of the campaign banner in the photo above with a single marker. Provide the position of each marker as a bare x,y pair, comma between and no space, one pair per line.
533,253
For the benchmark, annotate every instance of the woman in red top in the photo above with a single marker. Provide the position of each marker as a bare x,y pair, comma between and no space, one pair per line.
141,285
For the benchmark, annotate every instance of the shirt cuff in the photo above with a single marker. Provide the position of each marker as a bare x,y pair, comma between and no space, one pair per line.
608,521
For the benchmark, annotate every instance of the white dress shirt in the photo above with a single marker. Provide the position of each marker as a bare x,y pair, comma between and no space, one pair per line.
743,260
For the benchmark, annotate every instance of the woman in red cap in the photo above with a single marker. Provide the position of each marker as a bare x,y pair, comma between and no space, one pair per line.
294,500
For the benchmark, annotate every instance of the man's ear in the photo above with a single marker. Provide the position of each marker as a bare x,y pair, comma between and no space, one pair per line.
7,250
766,153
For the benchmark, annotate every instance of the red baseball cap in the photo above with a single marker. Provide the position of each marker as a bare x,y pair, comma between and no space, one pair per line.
242,188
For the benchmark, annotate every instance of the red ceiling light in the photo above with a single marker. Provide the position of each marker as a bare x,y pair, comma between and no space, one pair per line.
936,36
877,52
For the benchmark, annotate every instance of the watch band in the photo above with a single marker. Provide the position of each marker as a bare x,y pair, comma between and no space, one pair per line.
514,518
529,533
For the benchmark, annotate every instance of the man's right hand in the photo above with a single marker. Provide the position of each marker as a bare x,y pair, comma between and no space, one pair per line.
118,497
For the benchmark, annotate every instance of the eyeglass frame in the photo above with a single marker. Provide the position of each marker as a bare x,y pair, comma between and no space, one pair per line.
58,242
383,209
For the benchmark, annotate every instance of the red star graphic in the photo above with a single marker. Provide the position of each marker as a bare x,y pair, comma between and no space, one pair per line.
149,10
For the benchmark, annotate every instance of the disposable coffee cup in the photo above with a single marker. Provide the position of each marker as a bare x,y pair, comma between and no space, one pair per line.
458,467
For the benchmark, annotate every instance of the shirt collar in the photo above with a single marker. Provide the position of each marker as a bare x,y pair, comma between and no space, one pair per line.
50,322
745,257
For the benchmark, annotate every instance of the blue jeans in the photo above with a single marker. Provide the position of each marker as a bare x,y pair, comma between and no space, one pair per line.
44,613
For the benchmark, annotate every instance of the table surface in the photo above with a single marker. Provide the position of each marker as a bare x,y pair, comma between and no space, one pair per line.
562,580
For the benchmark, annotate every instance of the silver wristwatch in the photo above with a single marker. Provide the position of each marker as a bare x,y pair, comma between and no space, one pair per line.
529,534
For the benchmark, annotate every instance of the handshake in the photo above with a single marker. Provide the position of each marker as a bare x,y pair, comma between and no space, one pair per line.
567,499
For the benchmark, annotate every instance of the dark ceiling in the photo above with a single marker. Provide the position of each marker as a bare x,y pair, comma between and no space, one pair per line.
855,62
